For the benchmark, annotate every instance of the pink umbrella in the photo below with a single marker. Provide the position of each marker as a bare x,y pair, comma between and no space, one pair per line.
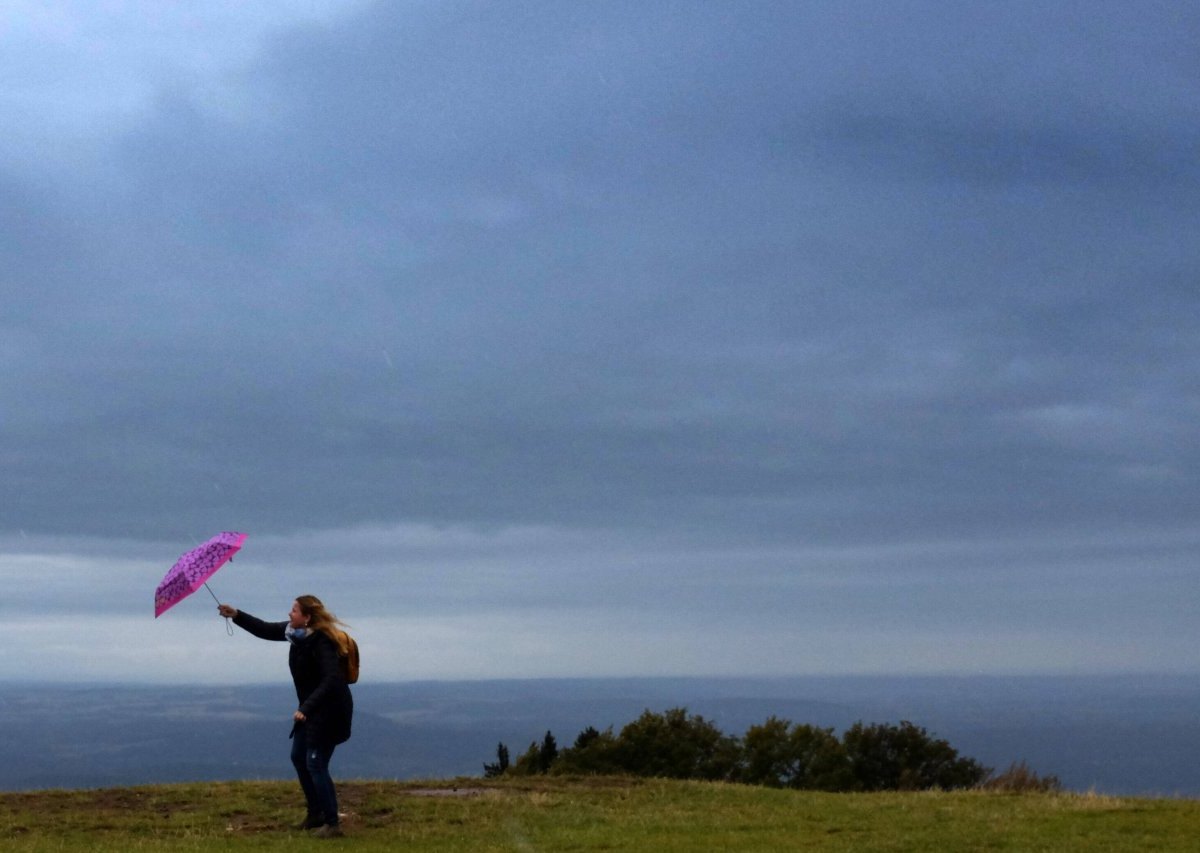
194,568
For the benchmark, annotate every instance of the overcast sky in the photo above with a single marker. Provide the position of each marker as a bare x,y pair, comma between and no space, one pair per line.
603,338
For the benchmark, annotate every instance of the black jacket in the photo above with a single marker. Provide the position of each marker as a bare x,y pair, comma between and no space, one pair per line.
321,689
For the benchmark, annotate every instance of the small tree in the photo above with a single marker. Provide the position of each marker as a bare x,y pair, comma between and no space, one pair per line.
593,753
821,760
538,758
548,753
676,745
778,754
767,758
528,763
905,758
490,771
587,737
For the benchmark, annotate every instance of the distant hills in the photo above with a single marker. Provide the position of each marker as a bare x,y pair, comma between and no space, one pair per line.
1117,734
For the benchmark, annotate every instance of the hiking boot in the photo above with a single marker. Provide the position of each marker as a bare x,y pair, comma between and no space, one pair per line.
312,821
329,830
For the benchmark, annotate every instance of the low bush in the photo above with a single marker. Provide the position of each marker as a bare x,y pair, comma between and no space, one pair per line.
777,753
906,758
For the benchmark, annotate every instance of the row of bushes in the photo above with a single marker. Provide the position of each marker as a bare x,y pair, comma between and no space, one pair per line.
776,753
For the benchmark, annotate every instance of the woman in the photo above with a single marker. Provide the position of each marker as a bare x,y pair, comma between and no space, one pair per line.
326,707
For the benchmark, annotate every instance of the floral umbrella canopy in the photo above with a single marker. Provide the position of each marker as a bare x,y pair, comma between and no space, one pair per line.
194,568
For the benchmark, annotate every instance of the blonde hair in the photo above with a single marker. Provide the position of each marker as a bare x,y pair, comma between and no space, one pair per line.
320,619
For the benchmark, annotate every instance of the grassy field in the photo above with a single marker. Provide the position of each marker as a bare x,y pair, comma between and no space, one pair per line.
551,814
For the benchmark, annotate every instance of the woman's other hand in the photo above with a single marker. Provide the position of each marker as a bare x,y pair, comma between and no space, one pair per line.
227,610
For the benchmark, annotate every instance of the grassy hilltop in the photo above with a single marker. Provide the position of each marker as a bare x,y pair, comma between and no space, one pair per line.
563,814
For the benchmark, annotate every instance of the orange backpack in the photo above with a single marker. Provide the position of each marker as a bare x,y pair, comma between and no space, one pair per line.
349,661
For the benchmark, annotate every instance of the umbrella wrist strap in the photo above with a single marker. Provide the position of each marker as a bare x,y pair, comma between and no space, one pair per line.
228,624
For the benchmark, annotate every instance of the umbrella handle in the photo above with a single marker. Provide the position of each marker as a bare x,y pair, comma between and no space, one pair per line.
228,624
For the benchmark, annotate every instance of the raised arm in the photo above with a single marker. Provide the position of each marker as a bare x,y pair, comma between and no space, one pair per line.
254,625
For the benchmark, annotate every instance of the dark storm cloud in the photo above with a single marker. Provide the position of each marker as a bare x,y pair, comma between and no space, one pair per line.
765,271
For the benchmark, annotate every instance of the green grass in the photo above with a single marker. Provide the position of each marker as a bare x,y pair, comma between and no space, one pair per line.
553,814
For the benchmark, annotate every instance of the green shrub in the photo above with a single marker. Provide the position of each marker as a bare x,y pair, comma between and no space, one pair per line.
676,745
593,753
539,758
885,757
781,755
500,766
777,753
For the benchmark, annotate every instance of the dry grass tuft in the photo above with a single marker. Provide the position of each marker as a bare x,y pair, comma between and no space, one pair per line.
1020,778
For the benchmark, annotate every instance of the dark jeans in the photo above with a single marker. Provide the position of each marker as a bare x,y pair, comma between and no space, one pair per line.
312,766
